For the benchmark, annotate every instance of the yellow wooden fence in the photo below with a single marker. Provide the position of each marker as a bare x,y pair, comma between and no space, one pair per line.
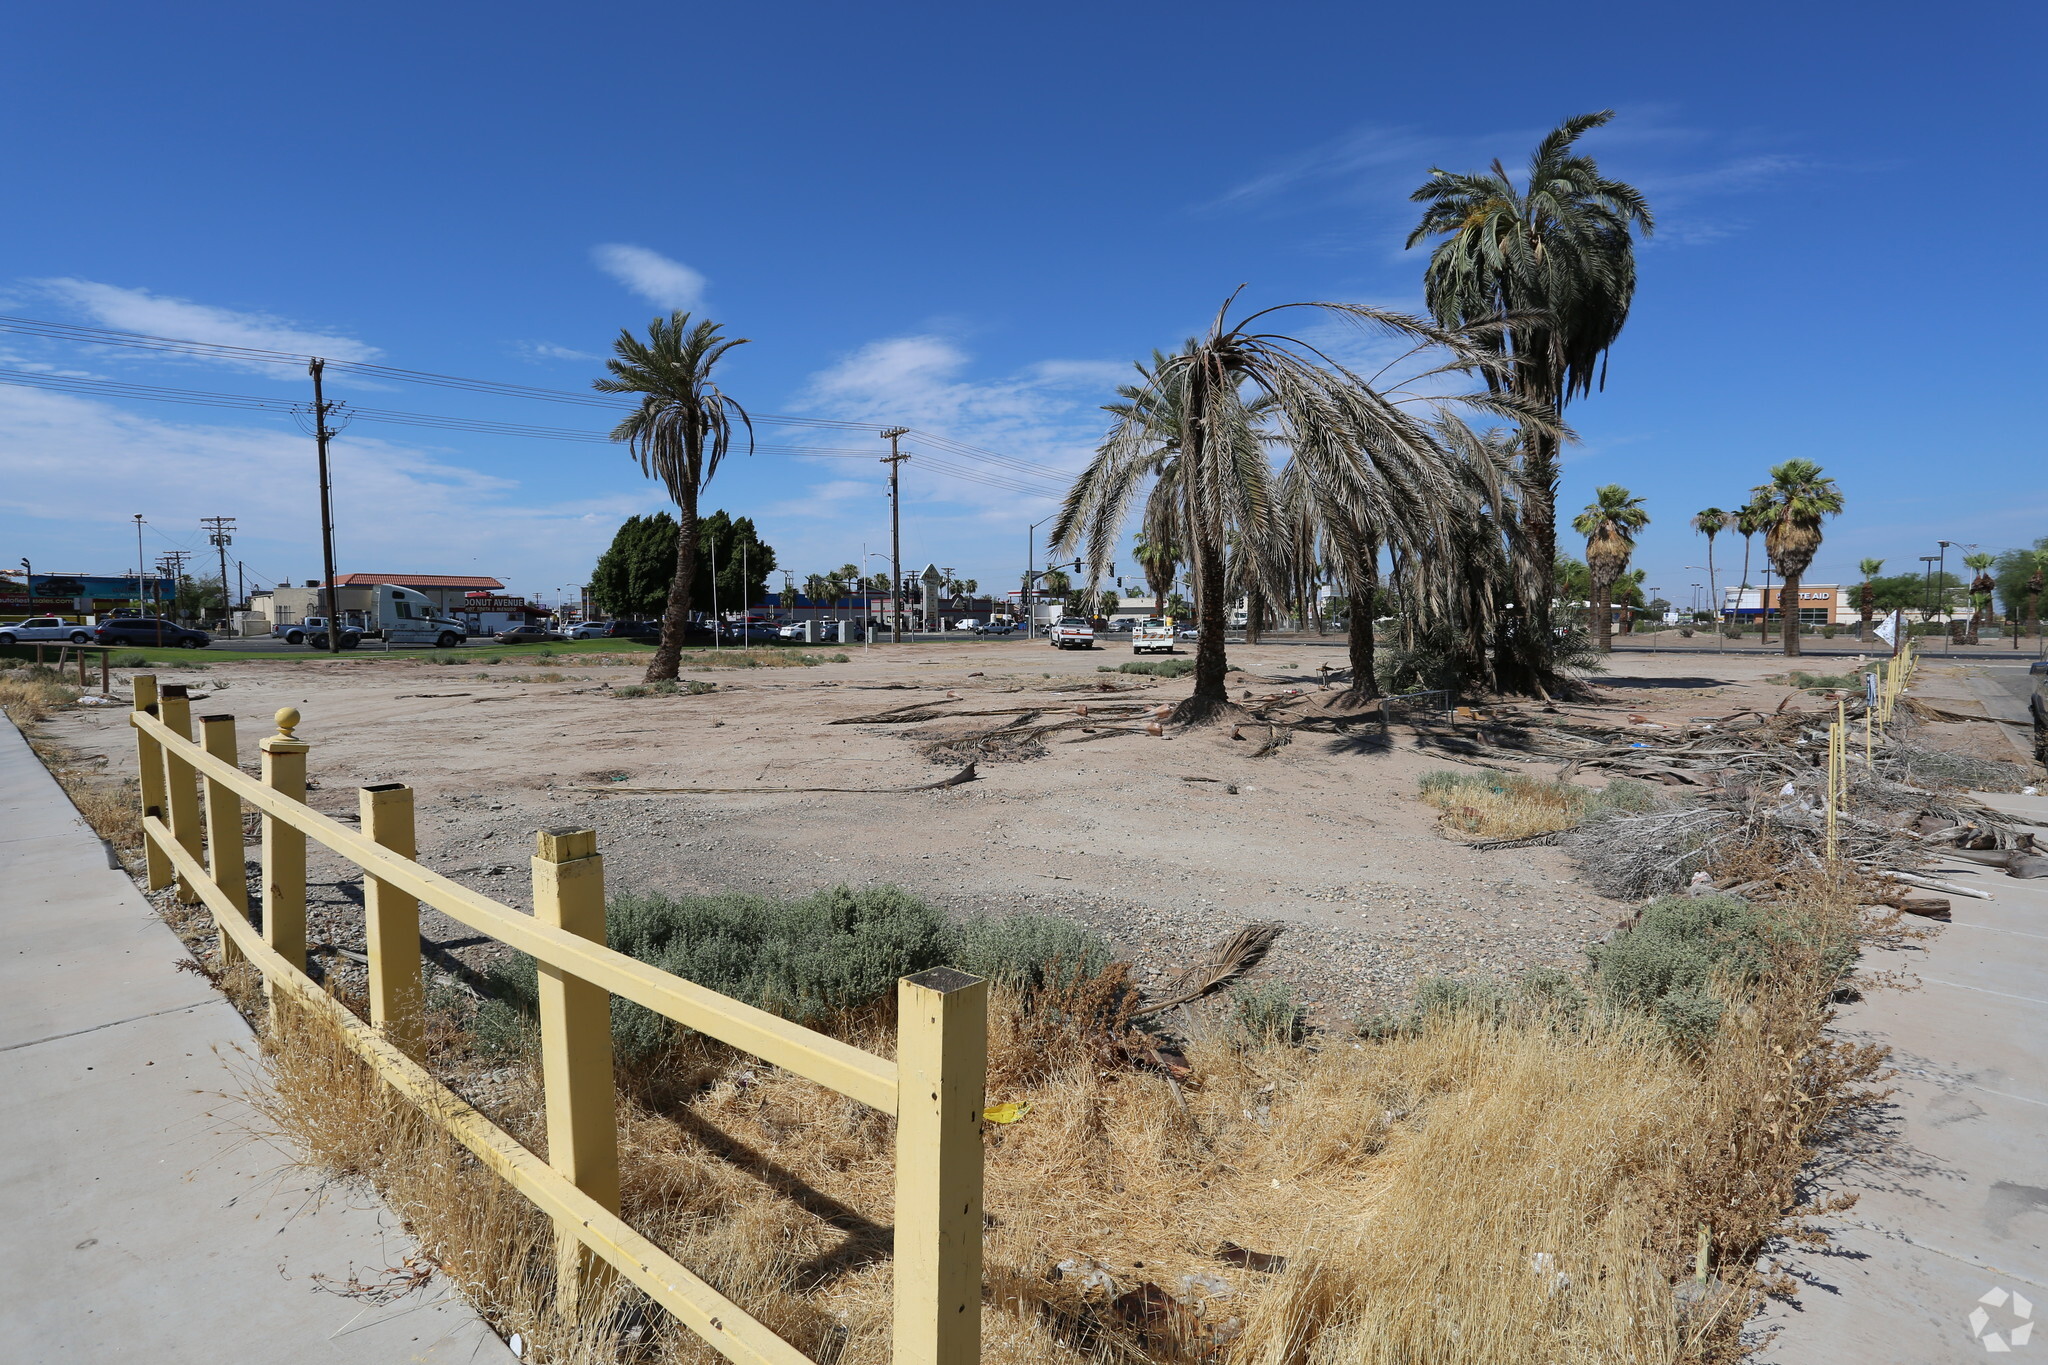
193,793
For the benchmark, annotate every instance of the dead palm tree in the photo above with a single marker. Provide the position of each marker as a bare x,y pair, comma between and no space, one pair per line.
1798,496
680,433
1869,568
1711,522
1554,258
1203,420
1609,524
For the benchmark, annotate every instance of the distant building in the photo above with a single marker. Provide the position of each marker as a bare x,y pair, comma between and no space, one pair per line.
471,599
1820,604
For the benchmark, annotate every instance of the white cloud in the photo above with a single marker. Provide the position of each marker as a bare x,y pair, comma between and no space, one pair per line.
138,310
651,275
546,350
397,508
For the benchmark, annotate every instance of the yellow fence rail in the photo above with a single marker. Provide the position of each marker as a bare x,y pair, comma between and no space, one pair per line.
193,793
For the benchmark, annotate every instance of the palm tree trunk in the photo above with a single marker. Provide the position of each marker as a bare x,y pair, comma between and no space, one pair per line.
1713,592
1863,626
1539,531
1603,615
1788,611
1254,614
1363,585
1211,614
667,660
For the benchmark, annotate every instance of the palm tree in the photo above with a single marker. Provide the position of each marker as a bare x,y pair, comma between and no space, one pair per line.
1752,519
1609,524
1554,261
1711,522
1869,568
1199,426
1160,560
1981,588
679,434
1798,496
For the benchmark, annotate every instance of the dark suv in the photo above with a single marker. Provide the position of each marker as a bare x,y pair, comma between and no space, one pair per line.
634,630
143,630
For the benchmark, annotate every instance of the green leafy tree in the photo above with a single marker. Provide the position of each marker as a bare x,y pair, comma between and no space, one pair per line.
1553,262
742,561
679,434
1798,497
633,576
1159,559
2022,578
1609,524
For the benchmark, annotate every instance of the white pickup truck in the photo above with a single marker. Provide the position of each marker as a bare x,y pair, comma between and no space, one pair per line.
1152,636
1072,632
46,628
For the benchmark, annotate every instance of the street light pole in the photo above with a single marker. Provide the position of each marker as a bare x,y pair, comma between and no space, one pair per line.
1031,568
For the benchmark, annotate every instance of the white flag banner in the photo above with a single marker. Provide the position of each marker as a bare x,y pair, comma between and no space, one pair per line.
1888,629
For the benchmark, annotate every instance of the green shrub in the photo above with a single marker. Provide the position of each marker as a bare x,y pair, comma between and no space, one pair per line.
1026,951
1269,1013
129,659
1158,668
840,659
805,960
1666,962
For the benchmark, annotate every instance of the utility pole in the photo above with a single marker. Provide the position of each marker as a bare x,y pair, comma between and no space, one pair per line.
139,600
321,432
221,527
894,459
171,564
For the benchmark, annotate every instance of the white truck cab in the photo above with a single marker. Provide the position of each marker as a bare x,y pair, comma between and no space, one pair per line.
1151,636
406,617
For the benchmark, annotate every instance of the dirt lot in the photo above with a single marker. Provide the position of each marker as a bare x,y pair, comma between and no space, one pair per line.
1324,834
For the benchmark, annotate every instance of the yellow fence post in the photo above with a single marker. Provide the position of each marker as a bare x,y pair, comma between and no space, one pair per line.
284,848
576,1054
391,921
181,791
224,854
941,1065
149,765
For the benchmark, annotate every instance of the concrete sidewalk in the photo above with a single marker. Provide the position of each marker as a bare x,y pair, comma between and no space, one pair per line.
144,1222
1953,1195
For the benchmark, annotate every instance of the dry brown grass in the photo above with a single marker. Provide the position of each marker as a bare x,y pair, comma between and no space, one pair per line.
1496,805
1484,1189
31,694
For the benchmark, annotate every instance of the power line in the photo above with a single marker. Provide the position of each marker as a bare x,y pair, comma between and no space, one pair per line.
60,331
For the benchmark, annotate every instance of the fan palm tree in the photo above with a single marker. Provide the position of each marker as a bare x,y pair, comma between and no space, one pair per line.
1869,568
679,434
1752,519
1200,425
1711,522
1609,524
1981,588
1159,560
1554,259
1797,497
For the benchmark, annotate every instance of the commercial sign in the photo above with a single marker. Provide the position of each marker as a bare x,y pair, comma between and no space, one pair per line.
70,588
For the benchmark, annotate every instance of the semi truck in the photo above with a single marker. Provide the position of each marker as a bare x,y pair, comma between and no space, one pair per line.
401,617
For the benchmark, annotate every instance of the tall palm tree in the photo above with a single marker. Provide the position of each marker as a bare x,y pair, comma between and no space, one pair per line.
1202,421
1554,259
1711,522
1609,524
1981,588
680,433
1869,568
1798,496
1160,560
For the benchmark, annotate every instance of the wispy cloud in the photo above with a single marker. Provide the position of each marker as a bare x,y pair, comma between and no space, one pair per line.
397,506
545,350
139,310
653,276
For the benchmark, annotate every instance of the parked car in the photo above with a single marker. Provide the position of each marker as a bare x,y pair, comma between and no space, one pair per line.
143,630
1072,632
632,630
996,628
591,630
527,635
1190,633
46,628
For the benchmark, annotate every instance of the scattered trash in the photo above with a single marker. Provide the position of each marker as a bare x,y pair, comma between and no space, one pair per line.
1206,1285
1092,1273
1009,1111
517,1345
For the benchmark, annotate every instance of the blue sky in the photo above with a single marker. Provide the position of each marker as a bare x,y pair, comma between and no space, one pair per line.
970,220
